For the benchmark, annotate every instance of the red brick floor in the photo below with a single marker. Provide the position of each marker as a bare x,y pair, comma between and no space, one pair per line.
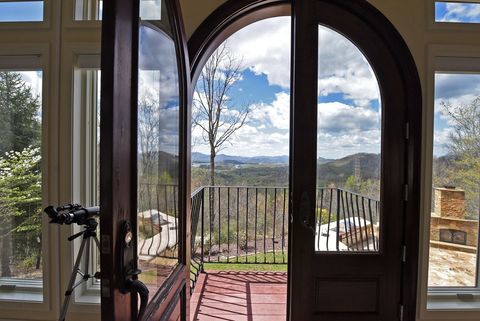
240,296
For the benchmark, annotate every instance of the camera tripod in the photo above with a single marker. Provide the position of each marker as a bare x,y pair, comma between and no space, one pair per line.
88,234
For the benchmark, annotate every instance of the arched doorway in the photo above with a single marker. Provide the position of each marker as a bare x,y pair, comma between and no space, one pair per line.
335,284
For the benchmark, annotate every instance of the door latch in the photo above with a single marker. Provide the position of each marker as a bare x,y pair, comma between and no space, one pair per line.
131,283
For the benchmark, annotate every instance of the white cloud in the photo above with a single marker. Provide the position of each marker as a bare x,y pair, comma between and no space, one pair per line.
266,133
151,9
460,12
343,69
265,48
440,140
276,114
338,118
34,80
344,130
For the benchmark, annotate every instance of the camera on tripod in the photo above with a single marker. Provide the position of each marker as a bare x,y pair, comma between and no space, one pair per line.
72,214
77,214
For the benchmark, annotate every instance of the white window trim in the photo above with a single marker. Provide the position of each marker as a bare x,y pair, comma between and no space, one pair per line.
45,24
75,166
68,11
454,26
441,304
28,298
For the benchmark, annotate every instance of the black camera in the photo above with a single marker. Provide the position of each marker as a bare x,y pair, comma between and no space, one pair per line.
71,213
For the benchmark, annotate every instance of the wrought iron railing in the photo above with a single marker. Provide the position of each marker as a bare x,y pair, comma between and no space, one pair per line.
249,225
346,221
158,220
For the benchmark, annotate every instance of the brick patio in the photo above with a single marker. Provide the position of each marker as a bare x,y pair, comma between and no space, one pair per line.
240,296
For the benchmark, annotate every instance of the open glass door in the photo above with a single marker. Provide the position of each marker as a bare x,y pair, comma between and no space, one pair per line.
144,144
350,254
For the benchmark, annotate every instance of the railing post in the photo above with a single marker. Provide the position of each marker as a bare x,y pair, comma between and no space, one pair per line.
202,229
338,219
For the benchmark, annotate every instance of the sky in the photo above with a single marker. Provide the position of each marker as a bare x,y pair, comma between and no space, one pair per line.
457,12
348,95
349,116
349,98
456,90
21,11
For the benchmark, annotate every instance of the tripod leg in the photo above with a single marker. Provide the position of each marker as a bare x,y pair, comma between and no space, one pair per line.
68,293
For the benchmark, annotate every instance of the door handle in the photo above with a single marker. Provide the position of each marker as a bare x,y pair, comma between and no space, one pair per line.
305,210
131,283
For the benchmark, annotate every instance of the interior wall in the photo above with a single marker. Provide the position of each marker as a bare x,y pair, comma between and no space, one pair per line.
410,17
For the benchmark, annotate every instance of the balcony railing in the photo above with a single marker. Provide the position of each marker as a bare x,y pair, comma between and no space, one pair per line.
249,225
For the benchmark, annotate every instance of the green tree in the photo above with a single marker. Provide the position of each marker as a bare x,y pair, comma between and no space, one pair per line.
19,114
20,179
20,206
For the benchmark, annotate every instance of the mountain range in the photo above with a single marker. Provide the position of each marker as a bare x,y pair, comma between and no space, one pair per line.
199,158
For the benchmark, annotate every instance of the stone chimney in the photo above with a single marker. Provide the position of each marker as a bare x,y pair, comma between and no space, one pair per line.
450,202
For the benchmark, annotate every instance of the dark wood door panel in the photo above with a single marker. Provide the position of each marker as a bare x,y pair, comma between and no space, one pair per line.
119,154
348,285
359,295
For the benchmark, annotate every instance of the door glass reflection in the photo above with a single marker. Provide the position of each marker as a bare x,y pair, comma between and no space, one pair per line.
348,148
158,149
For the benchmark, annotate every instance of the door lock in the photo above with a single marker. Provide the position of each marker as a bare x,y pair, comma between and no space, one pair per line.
131,283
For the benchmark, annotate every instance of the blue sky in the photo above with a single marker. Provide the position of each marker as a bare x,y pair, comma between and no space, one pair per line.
349,98
456,90
21,11
348,94
457,12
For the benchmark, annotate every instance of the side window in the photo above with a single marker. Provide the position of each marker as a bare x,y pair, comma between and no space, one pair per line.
455,183
92,9
22,11
86,132
453,212
21,237
457,11
88,9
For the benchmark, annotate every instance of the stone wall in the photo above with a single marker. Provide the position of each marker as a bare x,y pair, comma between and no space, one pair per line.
450,202
449,214
468,226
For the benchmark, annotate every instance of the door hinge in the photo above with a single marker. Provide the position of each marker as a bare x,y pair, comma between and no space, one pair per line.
401,312
404,254
407,130
406,192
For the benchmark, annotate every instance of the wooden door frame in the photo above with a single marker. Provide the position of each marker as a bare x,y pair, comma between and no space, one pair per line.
233,15
119,156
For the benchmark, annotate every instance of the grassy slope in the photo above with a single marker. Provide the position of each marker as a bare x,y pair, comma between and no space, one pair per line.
251,265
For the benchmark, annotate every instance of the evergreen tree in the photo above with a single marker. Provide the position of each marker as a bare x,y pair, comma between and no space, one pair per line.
20,206
20,177
19,114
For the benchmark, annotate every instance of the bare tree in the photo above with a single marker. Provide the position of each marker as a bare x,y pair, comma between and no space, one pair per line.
464,147
211,112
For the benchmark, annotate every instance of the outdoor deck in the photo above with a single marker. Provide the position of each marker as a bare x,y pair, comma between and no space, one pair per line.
239,296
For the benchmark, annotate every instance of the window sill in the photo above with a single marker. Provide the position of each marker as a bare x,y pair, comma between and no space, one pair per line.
89,296
450,301
21,290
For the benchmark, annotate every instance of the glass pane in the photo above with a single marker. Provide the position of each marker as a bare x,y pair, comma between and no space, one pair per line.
348,148
459,12
455,181
88,9
21,11
20,180
158,151
151,9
